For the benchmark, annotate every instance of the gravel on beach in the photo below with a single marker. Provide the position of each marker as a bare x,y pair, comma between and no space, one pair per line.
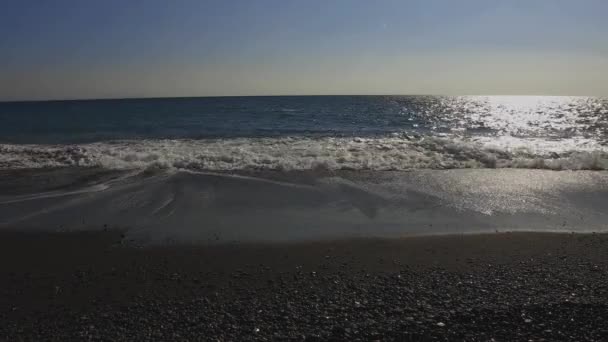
493,287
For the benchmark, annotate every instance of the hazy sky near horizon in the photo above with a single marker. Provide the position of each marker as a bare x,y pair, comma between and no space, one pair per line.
97,49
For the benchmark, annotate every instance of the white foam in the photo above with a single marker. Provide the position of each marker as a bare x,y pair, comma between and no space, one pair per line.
396,152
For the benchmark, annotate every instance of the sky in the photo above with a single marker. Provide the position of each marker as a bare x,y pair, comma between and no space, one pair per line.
70,49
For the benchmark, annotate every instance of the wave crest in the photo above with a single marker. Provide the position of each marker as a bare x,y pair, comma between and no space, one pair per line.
397,152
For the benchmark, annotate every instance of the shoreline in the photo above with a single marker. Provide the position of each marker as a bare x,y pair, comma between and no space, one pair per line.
507,286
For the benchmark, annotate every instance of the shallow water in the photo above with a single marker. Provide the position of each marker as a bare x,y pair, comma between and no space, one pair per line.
179,206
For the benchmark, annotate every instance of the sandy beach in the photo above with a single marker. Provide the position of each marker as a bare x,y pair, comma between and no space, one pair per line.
505,286
89,254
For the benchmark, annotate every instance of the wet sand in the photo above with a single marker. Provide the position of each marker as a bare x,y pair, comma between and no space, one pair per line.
506,286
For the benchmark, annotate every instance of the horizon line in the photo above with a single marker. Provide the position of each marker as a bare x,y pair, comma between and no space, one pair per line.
284,95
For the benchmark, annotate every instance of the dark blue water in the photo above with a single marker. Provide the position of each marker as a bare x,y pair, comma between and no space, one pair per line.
96,120
99,120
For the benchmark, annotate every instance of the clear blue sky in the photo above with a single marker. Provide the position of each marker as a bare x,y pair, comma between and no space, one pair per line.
135,48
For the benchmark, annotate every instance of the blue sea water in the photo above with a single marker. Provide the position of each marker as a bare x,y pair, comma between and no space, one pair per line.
301,132
95,120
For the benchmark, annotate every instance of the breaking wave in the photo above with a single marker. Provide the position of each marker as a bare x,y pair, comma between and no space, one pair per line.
394,152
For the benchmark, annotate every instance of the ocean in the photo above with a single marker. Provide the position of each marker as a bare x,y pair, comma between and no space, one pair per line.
285,167
305,132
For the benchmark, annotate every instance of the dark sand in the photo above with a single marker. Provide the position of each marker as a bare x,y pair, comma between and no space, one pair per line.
507,286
